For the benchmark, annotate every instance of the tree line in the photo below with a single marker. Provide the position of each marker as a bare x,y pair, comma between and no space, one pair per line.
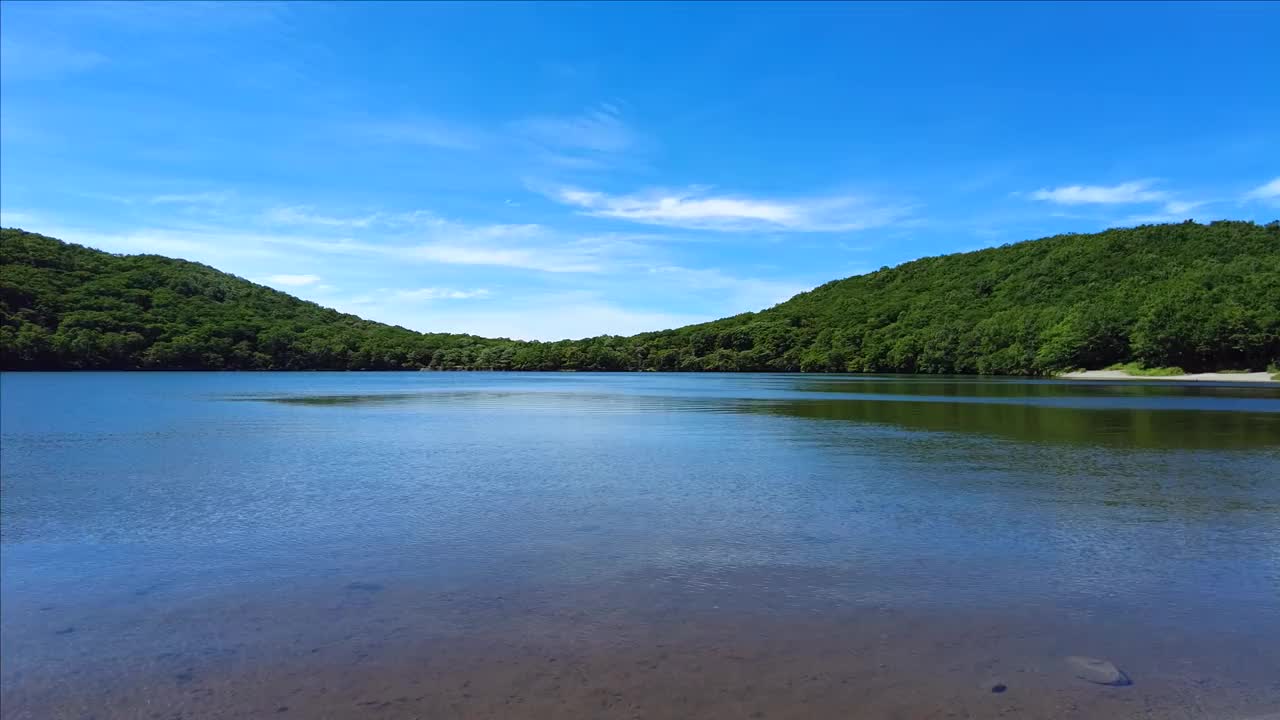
1197,296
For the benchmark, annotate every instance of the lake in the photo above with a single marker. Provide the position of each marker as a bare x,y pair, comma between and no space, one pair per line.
575,545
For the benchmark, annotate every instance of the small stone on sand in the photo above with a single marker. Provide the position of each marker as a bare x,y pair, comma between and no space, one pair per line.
1101,672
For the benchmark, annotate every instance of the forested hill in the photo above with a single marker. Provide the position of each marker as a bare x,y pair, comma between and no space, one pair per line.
1200,297
64,306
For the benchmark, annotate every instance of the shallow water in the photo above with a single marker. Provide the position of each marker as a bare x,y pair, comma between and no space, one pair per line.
643,545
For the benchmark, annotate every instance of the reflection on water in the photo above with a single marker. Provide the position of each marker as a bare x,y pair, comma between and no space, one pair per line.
375,399
1125,427
200,543
969,387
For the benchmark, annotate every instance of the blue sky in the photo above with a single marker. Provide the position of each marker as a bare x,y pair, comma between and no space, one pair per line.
564,170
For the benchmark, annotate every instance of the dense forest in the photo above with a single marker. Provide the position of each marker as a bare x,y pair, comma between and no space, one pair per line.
1199,297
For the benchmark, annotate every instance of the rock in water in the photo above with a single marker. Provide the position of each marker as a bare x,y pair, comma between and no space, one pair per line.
1098,671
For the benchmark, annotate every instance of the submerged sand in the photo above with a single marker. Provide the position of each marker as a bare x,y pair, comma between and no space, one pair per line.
1251,377
396,651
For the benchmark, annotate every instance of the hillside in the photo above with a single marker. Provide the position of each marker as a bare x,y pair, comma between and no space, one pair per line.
1201,297
64,306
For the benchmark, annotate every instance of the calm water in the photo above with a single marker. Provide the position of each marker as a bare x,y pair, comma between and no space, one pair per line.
593,545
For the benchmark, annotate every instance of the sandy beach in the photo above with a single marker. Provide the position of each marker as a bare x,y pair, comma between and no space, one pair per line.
1252,377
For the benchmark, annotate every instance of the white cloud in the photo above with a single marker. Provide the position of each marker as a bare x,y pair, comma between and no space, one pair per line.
306,216
744,293
538,316
431,133
1181,207
172,17
1137,191
225,250
418,223
188,201
453,230
26,59
526,247
695,209
1269,191
15,218
1173,211
512,246
1150,219
570,320
544,259
600,129
199,198
439,274
416,237
435,293
292,280
625,284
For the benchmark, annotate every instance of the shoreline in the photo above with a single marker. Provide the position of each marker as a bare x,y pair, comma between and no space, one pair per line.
1251,377
1240,378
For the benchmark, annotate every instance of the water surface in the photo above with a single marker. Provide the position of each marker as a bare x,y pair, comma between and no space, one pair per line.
642,545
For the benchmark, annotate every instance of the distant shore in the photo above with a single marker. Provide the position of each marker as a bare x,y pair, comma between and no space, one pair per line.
1250,377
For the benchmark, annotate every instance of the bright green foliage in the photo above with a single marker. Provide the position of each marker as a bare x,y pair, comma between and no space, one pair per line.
1137,370
68,307
1198,297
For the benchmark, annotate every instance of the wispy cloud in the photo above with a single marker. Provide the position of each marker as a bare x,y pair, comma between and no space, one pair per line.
1179,207
599,129
292,280
302,215
1269,191
225,249
423,222
492,246
436,293
697,209
540,258
162,16
746,293
531,316
23,59
191,200
424,237
1172,211
405,237
1136,191
16,218
594,138
198,198
597,138
621,283
425,132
